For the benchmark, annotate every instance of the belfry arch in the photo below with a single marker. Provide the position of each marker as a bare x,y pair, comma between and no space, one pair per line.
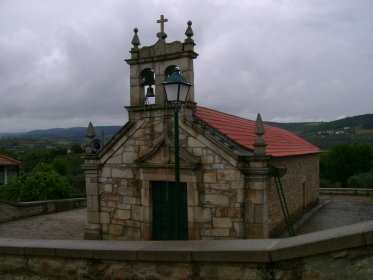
147,81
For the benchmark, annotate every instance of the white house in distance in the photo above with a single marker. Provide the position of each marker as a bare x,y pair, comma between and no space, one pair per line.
9,169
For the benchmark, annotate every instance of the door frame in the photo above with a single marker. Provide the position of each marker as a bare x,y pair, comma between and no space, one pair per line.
187,176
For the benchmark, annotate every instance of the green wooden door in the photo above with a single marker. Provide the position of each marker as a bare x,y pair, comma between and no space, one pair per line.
170,217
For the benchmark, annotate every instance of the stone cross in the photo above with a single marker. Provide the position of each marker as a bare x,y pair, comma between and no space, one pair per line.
162,21
162,34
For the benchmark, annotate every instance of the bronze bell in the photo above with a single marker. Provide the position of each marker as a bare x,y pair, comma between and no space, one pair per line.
150,92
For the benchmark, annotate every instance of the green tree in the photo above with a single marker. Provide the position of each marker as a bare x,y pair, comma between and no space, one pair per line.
42,167
345,160
61,166
76,149
5,152
44,185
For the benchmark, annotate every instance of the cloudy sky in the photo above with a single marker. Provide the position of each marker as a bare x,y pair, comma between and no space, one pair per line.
61,62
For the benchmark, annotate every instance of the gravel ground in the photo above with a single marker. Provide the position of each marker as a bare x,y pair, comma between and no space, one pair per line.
63,225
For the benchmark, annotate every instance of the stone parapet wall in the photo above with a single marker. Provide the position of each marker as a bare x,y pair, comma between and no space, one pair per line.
301,188
341,253
16,210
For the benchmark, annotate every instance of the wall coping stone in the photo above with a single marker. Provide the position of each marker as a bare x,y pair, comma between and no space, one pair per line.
347,191
258,251
41,202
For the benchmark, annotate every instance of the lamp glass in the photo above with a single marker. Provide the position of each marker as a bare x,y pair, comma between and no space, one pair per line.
176,92
171,92
183,92
176,87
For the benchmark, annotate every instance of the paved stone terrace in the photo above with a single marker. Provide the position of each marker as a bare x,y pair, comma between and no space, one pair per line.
336,210
63,225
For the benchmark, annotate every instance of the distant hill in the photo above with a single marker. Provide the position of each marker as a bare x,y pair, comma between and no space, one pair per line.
326,134
321,134
361,122
73,134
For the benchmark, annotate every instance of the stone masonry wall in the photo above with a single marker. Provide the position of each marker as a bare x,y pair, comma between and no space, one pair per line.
122,197
341,253
215,185
301,189
218,209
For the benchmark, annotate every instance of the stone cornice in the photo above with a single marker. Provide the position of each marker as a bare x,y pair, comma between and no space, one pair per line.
163,57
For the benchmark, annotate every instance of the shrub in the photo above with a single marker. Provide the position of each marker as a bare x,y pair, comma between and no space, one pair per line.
345,160
363,180
11,191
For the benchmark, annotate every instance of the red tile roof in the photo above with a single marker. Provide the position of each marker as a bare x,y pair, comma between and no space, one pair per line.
4,160
280,142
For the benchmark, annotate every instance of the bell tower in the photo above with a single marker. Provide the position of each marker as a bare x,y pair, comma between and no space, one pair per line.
151,65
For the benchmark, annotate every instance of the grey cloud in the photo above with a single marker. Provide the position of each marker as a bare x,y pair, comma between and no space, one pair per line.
61,62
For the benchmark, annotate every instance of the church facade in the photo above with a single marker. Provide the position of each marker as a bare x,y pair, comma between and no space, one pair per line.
227,189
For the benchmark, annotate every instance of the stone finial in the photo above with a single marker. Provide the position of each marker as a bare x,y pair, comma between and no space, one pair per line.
162,34
90,135
259,127
189,33
259,143
90,131
135,40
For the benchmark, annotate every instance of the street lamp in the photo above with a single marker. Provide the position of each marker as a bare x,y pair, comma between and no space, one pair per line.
177,88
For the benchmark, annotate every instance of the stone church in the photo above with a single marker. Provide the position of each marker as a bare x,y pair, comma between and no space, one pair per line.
226,187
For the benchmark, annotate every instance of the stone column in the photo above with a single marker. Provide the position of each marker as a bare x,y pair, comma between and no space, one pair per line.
91,170
5,174
256,170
